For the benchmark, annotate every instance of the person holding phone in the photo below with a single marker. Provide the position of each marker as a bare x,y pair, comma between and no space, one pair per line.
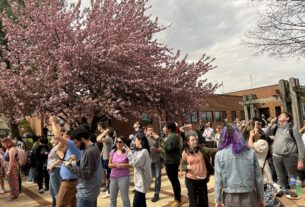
197,175
119,176
140,160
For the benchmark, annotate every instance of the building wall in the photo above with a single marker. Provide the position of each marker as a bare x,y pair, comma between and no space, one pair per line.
217,103
263,92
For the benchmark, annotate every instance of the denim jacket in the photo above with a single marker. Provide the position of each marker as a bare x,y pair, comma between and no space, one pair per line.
237,173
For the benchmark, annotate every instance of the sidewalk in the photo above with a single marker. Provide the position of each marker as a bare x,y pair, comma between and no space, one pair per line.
31,198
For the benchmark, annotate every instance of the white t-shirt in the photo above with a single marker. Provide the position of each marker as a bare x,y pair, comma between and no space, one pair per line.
303,138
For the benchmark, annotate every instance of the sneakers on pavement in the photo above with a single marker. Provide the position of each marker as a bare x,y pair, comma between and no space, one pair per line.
41,191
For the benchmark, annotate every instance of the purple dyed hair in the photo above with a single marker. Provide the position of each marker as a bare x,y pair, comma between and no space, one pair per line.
231,135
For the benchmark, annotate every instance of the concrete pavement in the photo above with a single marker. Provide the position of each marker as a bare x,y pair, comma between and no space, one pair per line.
31,198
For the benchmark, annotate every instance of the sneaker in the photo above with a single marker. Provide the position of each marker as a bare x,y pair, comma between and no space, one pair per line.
106,195
155,198
46,189
29,182
176,204
41,191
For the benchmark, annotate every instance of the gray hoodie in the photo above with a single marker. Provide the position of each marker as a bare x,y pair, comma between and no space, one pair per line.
140,160
283,143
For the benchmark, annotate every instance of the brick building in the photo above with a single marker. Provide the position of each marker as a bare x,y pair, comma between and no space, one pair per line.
269,109
219,107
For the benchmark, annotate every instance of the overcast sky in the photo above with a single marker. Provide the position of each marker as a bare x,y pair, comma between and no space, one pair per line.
216,27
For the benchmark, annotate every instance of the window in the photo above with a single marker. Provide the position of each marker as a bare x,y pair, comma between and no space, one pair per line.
233,115
242,115
220,115
206,116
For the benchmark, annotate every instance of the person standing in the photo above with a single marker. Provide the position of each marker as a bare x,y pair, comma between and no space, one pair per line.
172,155
140,160
66,148
12,170
89,170
156,164
258,143
238,177
288,148
33,173
119,176
41,153
2,169
107,139
195,161
53,167
208,134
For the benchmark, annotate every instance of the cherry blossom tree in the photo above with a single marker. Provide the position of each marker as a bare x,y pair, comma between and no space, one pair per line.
60,58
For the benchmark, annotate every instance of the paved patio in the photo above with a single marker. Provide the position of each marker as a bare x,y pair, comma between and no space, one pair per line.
31,198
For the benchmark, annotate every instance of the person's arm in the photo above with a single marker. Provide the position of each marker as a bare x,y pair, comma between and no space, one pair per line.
181,129
57,162
171,143
110,164
116,165
251,138
12,155
74,150
88,168
136,159
258,180
300,146
184,161
218,181
269,130
302,130
102,136
208,152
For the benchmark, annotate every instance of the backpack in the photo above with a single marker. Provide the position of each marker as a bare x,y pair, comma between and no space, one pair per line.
22,157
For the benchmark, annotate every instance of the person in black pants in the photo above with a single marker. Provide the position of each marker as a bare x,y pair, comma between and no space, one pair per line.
172,148
41,156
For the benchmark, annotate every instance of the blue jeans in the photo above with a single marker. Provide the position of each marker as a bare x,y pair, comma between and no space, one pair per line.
32,174
86,203
54,184
121,184
156,172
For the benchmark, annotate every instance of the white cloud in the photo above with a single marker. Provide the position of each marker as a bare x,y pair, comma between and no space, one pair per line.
216,27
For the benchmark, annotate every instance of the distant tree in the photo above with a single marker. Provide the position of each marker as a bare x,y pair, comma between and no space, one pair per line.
281,30
97,61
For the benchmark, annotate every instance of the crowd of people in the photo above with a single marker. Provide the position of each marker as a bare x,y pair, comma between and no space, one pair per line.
76,165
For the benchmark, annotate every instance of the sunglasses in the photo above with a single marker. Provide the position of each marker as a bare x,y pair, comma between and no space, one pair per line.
119,142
